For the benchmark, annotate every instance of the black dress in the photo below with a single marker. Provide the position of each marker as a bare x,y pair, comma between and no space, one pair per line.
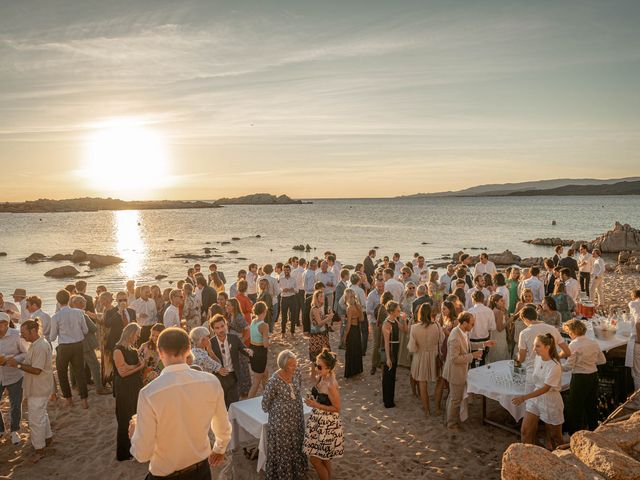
389,374
353,353
126,390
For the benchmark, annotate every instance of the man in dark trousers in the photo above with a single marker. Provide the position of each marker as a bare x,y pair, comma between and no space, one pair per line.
209,295
227,348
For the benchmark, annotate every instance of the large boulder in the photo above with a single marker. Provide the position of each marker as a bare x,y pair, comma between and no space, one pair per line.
600,453
35,258
568,457
531,261
620,238
550,242
99,261
530,462
62,272
60,257
504,258
78,256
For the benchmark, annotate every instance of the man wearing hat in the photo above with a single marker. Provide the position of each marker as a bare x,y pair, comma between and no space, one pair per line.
11,346
20,297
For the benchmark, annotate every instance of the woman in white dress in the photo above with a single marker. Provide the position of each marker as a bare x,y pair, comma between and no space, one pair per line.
501,349
545,402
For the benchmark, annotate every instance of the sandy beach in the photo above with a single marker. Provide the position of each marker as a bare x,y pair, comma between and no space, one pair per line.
380,443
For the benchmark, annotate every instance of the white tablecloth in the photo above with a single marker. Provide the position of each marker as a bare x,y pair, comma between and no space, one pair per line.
249,422
606,345
494,381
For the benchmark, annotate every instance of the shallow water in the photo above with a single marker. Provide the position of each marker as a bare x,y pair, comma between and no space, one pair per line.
347,227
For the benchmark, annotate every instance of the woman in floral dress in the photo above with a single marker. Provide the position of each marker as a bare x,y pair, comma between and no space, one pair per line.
282,401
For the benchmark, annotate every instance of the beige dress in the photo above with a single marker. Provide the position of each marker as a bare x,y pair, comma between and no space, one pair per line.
424,343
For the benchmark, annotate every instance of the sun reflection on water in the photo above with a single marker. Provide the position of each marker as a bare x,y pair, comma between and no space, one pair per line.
130,242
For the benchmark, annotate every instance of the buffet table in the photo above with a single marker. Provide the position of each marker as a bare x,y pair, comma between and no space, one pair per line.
249,422
495,381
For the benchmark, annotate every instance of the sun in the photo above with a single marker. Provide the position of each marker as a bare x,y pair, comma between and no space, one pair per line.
126,159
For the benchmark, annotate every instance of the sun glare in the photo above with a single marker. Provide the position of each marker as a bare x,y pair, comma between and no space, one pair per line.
125,158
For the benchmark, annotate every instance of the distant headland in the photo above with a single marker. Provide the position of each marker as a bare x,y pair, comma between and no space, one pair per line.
89,204
560,186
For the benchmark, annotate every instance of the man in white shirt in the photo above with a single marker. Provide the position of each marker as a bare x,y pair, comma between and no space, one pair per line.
34,306
175,413
584,266
11,346
571,285
392,285
534,284
171,316
288,299
69,327
298,274
397,264
334,266
146,312
37,384
274,290
445,280
485,266
478,286
485,322
526,351
597,276
329,282
252,282
421,270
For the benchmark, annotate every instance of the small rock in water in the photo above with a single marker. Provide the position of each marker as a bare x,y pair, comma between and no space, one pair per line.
170,240
553,222
3,254
234,252
235,238
258,236
160,277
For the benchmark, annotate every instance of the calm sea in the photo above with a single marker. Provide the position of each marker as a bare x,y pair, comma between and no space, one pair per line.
348,227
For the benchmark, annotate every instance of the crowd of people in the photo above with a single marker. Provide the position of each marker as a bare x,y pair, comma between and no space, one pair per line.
161,352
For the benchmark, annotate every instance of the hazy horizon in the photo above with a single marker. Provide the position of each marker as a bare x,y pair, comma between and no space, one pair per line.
359,99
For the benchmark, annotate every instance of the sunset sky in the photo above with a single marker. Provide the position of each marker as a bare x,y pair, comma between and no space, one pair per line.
204,99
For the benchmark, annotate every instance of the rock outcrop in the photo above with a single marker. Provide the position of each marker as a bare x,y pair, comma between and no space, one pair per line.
62,272
550,242
78,256
611,452
35,258
99,261
620,238
504,258
530,462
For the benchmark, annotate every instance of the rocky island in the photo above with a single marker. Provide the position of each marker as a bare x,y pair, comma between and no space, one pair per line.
259,199
89,204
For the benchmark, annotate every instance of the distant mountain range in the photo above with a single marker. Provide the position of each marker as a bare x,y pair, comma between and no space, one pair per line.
561,186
